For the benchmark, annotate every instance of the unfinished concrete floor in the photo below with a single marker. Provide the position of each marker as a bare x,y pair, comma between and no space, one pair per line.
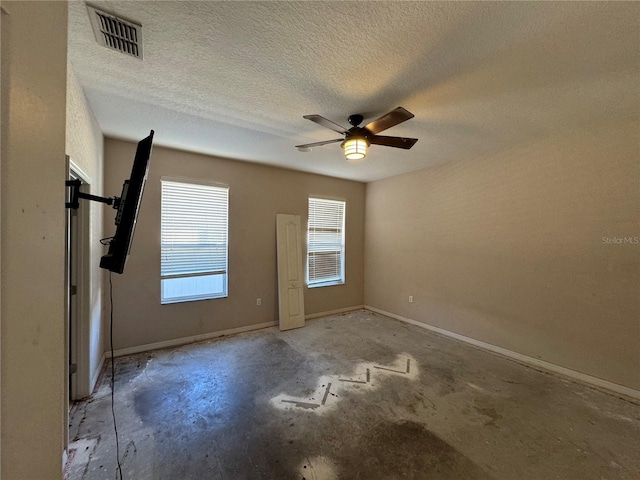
354,396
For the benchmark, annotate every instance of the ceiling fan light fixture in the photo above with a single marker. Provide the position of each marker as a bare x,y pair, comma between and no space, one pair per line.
358,139
355,148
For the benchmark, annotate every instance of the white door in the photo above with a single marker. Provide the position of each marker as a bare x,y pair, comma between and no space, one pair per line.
290,272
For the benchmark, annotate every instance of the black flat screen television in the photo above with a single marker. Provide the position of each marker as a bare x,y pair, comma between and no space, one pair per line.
128,208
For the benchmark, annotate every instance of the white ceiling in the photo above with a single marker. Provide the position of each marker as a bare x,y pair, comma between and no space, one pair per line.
234,79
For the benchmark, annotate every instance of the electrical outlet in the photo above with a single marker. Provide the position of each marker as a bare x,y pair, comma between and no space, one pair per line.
410,298
259,301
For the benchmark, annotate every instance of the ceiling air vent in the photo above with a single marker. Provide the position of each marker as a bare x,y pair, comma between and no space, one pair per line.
116,33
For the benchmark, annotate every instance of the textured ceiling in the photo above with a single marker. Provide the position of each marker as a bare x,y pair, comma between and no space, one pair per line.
234,79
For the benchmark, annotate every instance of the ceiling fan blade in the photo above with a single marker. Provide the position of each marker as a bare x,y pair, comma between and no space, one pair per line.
319,144
398,142
320,120
394,117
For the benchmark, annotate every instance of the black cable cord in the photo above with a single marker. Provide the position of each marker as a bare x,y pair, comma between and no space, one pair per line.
113,378
106,241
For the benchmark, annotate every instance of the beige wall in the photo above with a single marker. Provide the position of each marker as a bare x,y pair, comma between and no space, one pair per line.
84,146
33,225
509,249
256,194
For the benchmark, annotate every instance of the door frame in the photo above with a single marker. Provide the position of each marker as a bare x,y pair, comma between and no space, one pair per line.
80,386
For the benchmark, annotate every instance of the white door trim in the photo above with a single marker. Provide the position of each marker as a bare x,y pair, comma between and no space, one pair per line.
82,378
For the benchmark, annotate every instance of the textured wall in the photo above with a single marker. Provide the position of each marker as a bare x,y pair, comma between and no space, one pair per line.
509,249
256,194
34,78
84,145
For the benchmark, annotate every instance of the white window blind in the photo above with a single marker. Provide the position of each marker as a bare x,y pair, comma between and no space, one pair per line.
194,246
325,242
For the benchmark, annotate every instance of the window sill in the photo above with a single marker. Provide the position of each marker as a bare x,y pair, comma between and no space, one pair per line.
326,284
192,299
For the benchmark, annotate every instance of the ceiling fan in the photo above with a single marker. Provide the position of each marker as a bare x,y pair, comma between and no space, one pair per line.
357,139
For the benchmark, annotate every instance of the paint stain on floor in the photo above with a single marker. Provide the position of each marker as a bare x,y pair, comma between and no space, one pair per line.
318,468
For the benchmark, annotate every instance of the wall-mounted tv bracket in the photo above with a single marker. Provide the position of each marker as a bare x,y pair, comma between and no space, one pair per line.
76,195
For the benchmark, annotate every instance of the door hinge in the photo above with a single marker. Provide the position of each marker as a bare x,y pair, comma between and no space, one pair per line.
73,368
74,290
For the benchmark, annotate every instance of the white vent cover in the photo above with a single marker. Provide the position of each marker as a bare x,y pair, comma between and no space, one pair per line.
116,33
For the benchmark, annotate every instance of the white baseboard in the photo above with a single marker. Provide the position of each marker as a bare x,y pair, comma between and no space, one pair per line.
185,340
525,359
333,312
207,336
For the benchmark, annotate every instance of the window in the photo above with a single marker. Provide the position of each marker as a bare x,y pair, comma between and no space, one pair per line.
325,242
194,243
